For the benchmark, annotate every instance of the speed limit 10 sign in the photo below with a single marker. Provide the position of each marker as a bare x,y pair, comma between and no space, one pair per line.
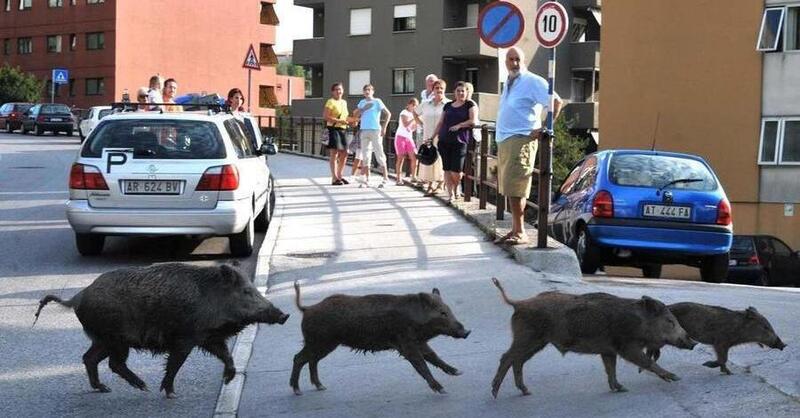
551,24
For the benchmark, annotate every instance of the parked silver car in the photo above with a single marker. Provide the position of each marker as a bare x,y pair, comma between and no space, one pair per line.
91,120
149,173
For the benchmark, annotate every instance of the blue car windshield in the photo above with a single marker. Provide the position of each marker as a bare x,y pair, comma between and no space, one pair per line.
642,170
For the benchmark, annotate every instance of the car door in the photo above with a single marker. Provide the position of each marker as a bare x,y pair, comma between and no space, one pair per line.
557,217
252,167
84,126
582,192
784,263
30,117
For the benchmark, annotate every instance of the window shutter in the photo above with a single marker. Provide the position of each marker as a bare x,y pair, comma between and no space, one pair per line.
360,21
358,79
405,10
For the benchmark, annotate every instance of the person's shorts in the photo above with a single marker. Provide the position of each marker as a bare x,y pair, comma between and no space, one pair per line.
516,156
404,146
337,138
453,153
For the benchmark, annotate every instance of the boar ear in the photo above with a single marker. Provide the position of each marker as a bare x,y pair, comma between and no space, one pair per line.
426,300
436,292
651,305
235,263
750,312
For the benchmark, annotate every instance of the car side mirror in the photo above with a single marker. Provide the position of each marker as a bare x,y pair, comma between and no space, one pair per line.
556,196
268,149
796,254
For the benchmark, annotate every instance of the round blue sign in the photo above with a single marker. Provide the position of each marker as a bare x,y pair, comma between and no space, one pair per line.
501,24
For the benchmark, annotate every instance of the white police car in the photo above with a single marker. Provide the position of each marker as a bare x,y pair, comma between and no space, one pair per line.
152,173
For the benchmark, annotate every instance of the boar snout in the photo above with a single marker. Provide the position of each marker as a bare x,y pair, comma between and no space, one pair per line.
464,334
686,343
778,344
283,318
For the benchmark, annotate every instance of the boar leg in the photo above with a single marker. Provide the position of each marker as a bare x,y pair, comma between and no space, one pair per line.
722,359
312,366
635,355
519,362
517,355
219,350
175,359
117,364
414,356
93,356
432,358
311,354
610,363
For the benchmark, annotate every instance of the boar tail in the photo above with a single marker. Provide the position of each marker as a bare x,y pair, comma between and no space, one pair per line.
47,299
503,292
297,296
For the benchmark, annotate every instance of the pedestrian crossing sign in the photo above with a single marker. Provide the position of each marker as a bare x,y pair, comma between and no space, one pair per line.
60,76
251,60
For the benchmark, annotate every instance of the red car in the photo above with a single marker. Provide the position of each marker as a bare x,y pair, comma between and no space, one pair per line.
11,115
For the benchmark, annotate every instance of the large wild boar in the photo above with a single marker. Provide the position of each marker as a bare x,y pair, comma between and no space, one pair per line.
376,323
723,328
594,323
166,308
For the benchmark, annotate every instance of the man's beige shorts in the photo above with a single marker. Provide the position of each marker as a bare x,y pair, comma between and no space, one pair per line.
516,156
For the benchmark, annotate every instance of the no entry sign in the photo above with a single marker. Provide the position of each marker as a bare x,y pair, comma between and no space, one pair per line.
551,24
501,24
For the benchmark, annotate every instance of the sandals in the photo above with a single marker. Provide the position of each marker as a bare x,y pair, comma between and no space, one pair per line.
504,238
518,240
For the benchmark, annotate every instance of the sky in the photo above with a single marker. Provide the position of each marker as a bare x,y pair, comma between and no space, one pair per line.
295,24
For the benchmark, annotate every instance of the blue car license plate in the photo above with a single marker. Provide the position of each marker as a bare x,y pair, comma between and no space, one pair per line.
670,212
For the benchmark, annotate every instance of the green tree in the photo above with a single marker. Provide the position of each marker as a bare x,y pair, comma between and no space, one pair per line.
567,150
18,86
287,68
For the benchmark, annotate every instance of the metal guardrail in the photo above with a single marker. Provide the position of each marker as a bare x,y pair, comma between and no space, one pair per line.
303,135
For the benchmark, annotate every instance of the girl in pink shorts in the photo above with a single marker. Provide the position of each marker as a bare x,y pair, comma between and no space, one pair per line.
404,140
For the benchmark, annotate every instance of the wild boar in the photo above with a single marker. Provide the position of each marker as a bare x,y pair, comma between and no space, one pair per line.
594,323
376,323
723,328
166,308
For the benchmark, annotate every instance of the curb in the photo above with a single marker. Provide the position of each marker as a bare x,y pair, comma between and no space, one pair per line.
231,394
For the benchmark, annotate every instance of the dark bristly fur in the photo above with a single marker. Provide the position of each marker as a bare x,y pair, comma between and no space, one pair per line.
375,323
594,323
723,328
166,308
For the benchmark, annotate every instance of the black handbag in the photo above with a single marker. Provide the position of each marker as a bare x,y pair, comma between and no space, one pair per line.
427,153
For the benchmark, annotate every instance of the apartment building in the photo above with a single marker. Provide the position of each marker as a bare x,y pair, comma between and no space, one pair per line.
110,46
394,44
726,88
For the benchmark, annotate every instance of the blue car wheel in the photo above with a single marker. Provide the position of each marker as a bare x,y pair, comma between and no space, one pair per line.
587,253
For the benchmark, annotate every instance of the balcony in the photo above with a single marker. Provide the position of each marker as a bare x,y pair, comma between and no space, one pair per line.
309,51
465,43
582,115
309,3
581,4
584,55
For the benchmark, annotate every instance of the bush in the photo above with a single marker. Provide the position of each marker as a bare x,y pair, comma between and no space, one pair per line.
18,86
567,150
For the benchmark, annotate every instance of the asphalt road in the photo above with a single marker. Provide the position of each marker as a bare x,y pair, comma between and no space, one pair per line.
41,373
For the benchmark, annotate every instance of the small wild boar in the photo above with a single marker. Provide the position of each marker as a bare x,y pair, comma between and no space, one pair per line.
166,308
376,323
722,329
593,323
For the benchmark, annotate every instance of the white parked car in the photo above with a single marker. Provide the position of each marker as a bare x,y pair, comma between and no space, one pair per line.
91,120
149,173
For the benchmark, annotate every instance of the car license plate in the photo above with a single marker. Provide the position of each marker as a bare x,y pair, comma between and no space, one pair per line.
732,262
672,212
55,119
152,186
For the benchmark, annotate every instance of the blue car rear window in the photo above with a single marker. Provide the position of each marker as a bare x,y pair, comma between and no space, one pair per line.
660,170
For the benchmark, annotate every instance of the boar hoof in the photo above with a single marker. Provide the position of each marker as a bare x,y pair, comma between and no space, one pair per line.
321,387
454,372
669,377
494,392
101,388
439,389
619,389
228,375
172,395
297,392
525,392
711,364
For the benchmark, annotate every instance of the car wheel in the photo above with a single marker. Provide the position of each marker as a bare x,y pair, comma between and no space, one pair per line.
263,218
588,257
39,130
55,133
80,134
69,132
271,198
714,269
762,279
8,128
651,271
242,243
23,130
90,244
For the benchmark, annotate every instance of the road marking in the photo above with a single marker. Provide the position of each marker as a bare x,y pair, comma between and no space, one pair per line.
231,394
45,192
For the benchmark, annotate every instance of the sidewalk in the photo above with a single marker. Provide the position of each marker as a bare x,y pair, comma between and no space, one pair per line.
341,239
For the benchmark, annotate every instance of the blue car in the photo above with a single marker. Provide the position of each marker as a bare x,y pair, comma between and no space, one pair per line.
644,209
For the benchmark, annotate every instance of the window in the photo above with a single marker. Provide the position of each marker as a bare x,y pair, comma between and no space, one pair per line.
95,86
54,43
577,32
405,17
781,249
771,25
6,46
24,46
792,40
95,1
780,141
472,15
73,42
71,87
268,15
25,4
267,97
356,82
360,21
267,55
8,6
403,81
95,40
242,145
158,139
55,3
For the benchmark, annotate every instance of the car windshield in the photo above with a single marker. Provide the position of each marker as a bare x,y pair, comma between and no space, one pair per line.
22,107
49,108
158,139
103,113
742,246
659,171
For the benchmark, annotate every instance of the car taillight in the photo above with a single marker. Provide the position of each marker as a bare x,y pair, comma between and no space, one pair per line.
754,260
13,115
603,205
86,177
724,212
40,119
223,177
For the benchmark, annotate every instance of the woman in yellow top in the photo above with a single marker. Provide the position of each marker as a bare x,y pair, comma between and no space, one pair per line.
335,115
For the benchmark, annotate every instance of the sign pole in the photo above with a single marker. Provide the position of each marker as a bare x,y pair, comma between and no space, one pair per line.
249,78
52,89
546,157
